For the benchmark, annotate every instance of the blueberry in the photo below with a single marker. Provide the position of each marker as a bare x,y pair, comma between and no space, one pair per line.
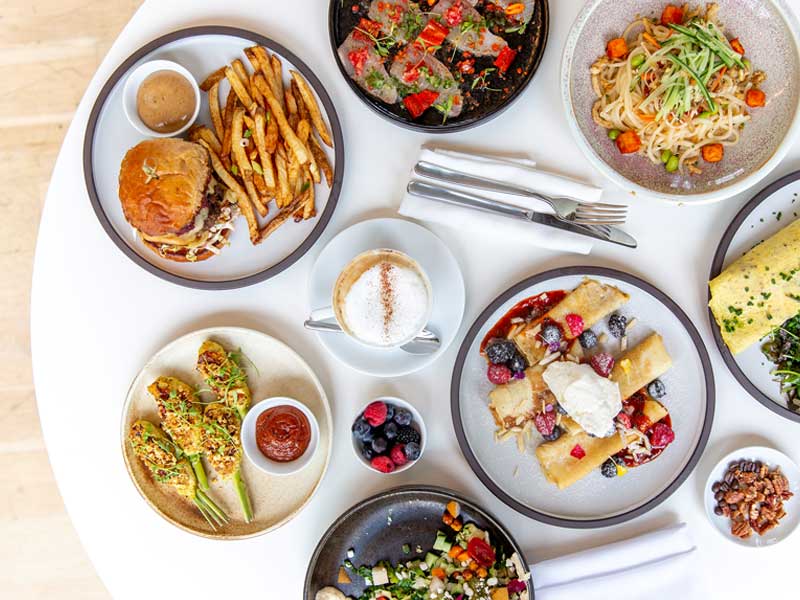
657,389
609,468
560,409
412,450
551,334
390,412
557,431
588,339
379,445
499,353
390,431
361,428
403,417
367,452
617,324
517,362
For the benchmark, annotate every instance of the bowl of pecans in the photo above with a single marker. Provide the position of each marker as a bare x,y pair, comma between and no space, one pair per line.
751,496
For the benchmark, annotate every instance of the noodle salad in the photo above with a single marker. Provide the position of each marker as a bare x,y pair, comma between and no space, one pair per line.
676,90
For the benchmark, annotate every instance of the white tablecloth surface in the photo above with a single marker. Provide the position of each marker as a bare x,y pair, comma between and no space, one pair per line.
96,318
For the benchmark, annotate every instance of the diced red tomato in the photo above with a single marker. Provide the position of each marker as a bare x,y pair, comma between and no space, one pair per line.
737,45
433,35
373,28
481,552
358,58
672,14
755,98
455,14
420,102
504,59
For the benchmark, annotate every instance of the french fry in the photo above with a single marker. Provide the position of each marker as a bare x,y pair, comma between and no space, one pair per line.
230,107
277,69
282,194
212,79
309,209
292,116
201,132
311,104
283,125
303,133
213,108
270,76
243,162
256,93
280,218
241,73
302,110
238,87
259,133
294,176
241,196
322,159
272,133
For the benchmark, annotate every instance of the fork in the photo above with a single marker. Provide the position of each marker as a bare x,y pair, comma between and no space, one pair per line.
566,209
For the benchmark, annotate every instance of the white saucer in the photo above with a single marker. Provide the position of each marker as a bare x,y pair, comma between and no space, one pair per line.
434,257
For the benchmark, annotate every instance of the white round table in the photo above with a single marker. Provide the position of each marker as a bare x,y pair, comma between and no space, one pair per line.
96,318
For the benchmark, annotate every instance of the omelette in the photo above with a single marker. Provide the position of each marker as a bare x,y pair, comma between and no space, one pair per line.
759,291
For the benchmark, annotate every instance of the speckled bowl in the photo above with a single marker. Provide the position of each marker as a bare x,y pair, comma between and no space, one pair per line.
769,31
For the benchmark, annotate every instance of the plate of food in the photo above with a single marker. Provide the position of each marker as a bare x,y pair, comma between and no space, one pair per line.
417,541
685,102
183,436
438,66
213,157
582,397
754,297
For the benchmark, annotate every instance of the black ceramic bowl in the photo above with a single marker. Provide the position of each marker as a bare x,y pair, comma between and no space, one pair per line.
377,528
482,104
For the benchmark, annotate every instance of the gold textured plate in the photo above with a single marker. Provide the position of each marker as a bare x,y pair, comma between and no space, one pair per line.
278,371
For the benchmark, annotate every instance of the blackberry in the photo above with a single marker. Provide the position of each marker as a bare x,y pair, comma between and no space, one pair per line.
609,469
657,389
517,363
402,417
500,352
412,451
390,431
407,435
557,432
588,339
379,445
617,324
551,334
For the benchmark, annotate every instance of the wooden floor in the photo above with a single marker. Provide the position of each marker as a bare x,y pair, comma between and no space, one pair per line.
49,49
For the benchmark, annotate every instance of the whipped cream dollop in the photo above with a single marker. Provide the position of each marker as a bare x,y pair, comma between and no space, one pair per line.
591,400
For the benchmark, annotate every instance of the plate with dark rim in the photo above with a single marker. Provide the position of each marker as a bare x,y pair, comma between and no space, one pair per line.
516,478
109,135
487,99
378,527
769,211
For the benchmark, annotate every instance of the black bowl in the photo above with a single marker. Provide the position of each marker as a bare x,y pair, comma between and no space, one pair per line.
485,104
377,528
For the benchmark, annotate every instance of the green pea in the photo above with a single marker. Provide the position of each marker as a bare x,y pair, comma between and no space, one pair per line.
705,114
672,164
665,156
637,61
613,134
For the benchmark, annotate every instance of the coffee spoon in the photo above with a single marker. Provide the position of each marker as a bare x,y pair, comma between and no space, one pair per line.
426,342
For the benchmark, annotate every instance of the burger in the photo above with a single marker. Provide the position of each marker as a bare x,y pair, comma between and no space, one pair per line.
173,201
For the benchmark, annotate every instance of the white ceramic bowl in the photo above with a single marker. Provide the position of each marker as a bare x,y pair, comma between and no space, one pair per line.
772,458
417,423
131,89
248,437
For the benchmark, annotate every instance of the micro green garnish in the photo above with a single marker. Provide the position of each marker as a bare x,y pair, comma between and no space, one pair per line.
445,108
234,169
783,349
375,80
248,133
257,168
480,80
383,44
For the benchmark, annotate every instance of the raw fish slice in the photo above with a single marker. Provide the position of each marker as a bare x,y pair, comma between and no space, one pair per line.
365,66
525,15
398,19
467,32
422,71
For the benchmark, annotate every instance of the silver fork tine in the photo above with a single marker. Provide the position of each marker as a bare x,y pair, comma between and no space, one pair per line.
596,222
600,211
604,205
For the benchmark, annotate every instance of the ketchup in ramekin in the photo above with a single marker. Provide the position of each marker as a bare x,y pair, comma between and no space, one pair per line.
283,433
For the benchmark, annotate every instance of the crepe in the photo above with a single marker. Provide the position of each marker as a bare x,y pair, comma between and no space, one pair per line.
591,300
515,402
759,291
640,365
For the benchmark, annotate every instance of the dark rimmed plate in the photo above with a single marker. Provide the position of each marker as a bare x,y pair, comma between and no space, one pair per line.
594,501
769,211
342,20
109,134
378,527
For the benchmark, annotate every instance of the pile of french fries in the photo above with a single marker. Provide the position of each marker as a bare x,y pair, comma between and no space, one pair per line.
263,144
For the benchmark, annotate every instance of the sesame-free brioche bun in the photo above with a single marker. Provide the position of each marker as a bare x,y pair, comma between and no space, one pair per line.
162,185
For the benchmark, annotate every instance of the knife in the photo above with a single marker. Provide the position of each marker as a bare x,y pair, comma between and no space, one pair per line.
605,233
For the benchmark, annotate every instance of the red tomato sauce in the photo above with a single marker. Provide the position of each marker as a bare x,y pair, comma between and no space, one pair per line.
283,433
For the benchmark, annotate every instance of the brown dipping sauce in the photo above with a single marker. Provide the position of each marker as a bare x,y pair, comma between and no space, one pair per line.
282,433
165,101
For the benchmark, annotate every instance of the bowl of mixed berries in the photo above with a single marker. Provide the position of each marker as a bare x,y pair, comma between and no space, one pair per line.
389,435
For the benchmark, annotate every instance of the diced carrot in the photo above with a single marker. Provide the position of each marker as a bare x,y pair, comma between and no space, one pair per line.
672,14
515,9
473,566
463,557
454,508
755,98
713,152
438,572
456,525
454,551
482,572
617,48
628,142
651,39
447,519
718,79
467,575
737,45
646,117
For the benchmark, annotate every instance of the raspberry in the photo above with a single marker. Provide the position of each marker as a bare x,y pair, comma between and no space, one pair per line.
383,464
624,419
576,452
575,324
375,413
662,435
498,374
515,586
398,455
602,363
545,422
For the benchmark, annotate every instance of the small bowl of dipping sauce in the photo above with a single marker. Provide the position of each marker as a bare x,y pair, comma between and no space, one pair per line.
161,98
280,435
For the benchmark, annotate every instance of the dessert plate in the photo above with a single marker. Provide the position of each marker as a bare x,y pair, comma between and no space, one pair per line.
770,210
109,135
435,259
273,369
594,501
